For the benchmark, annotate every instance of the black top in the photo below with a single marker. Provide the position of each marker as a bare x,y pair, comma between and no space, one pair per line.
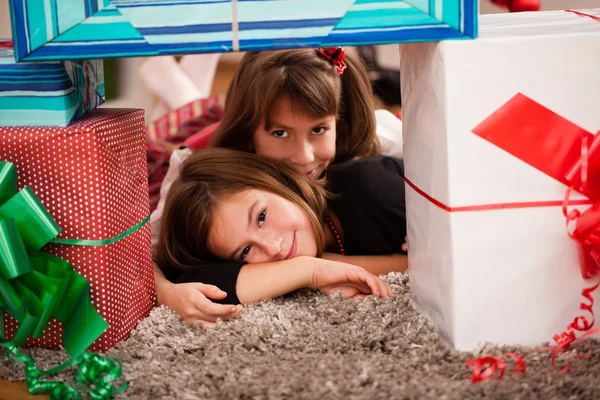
370,206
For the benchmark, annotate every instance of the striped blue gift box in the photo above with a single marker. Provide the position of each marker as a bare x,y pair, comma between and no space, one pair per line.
48,93
83,29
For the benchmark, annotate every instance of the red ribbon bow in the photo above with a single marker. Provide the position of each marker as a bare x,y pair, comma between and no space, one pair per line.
587,223
336,55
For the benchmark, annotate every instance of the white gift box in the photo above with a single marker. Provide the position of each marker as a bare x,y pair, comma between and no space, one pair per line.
501,275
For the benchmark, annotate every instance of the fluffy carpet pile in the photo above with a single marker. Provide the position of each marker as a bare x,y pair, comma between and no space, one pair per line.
311,346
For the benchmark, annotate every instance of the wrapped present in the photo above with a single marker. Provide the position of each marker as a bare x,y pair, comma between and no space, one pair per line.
37,286
47,93
172,131
492,128
91,177
76,29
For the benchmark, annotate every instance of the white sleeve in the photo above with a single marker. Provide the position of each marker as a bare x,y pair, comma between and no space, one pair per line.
175,161
389,133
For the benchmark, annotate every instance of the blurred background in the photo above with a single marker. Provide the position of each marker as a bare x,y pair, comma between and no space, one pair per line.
125,86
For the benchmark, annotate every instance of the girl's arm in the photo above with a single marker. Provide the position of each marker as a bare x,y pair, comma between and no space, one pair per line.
254,282
192,301
269,280
377,265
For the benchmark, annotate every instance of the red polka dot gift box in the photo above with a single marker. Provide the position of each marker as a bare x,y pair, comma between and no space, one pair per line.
92,178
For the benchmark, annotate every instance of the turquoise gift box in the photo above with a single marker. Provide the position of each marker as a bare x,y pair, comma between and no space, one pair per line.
84,29
58,92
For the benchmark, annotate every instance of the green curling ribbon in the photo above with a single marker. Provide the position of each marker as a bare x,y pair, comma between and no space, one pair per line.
94,374
36,286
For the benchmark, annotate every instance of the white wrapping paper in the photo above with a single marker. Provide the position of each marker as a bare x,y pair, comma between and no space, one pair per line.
507,276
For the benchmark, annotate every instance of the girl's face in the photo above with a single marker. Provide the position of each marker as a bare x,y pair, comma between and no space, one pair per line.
256,226
304,143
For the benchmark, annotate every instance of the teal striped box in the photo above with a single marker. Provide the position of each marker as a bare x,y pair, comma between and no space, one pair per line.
84,29
58,92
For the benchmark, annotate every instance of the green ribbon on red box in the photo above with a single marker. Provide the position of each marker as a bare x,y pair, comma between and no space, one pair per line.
36,286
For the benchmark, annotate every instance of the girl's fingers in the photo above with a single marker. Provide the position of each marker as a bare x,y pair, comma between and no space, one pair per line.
211,291
373,283
205,324
388,289
220,310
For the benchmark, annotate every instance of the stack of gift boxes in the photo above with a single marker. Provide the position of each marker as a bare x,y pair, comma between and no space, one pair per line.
87,168
87,165
499,145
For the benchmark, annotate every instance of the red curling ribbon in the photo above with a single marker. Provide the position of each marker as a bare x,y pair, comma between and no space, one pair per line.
6,44
584,15
580,323
562,347
486,367
336,55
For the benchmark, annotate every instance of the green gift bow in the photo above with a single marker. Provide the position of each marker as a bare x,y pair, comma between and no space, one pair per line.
35,286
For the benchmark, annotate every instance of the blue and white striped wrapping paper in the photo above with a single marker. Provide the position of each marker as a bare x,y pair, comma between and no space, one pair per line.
83,29
48,93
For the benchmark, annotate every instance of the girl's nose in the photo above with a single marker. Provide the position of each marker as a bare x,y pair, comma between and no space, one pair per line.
303,154
272,246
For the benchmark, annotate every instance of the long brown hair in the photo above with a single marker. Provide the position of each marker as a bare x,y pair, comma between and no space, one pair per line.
312,85
209,174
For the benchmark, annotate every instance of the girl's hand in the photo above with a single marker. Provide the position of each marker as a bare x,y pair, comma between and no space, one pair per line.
405,245
192,302
350,280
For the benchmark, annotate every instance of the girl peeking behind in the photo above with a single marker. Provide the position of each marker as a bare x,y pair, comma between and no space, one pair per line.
312,111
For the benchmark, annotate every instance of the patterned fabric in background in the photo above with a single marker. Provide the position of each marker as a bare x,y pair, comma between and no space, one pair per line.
170,131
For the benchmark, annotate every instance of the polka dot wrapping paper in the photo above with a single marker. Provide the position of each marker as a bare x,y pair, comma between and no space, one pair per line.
92,178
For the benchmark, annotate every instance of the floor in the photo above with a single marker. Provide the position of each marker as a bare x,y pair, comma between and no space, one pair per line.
16,391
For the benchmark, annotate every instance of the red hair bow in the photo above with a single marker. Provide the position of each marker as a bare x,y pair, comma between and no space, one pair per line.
6,44
336,55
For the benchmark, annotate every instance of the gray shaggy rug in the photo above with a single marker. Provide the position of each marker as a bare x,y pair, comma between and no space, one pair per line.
311,346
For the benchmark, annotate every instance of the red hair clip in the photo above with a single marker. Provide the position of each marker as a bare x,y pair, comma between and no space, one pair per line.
6,44
336,55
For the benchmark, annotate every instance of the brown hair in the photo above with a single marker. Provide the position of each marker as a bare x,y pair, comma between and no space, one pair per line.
312,85
209,174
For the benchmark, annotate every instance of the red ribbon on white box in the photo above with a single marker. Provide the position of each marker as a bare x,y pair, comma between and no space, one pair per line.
559,148
568,153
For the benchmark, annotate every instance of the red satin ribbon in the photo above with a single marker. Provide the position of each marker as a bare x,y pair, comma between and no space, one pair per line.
558,148
584,15
493,206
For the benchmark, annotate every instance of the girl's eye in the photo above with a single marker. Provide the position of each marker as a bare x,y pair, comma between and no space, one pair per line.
318,131
262,217
280,133
245,252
